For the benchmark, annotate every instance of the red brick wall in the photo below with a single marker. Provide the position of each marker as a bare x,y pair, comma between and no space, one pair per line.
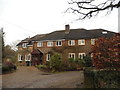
65,48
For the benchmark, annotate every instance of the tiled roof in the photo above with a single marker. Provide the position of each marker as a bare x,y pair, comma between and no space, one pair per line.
29,40
25,40
73,34
77,34
56,35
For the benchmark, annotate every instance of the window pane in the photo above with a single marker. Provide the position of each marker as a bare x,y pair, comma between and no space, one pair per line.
49,43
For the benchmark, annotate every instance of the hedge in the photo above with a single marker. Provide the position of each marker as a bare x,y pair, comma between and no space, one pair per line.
101,78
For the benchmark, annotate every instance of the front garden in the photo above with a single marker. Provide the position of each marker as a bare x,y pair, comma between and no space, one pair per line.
102,71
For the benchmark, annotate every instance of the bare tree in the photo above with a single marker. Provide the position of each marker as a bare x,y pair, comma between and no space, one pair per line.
90,8
13,45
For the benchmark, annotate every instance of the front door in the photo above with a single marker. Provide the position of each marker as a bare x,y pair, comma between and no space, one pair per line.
36,57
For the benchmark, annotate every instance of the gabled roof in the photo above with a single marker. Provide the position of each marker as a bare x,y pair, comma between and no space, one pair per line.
36,51
25,40
29,40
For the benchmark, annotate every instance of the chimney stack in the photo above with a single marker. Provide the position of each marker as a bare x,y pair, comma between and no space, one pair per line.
67,29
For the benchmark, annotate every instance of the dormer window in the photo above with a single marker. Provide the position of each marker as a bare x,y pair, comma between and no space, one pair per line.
50,43
81,42
58,43
24,45
71,42
39,44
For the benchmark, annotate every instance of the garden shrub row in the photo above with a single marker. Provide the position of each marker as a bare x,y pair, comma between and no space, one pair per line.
56,64
101,78
8,67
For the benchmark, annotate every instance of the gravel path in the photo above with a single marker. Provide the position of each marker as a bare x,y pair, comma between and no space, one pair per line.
30,77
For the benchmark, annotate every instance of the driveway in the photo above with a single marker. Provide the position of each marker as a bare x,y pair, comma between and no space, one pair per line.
31,77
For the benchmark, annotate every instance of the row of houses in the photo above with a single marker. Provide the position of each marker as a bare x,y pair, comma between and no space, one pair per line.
69,43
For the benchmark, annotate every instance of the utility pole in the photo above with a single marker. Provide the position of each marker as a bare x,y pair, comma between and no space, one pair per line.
1,48
1,40
119,20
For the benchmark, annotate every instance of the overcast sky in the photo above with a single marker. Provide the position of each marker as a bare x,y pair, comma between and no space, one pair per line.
23,18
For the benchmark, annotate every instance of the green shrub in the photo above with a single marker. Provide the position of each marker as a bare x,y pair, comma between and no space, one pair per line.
71,59
47,63
6,69
55,62
87,61
64,66
41,66
8,66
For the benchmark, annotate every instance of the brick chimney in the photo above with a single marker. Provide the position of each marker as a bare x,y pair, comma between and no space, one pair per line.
67,29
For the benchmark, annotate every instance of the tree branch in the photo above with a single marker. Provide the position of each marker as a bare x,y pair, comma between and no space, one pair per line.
87,9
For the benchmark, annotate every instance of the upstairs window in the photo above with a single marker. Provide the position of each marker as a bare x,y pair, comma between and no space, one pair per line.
71,55
49,44
24,45
71,42
92,41
48,57
58,43
39,44
81,42
81,55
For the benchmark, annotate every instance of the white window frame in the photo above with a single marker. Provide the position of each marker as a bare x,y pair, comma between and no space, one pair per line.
71,42
50,43
70,55
19,57
92,41
39,44
58,43
48,57
24,45
81,42
81,54
26,57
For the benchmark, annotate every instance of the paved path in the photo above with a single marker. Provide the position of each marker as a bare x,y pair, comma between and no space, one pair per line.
30,77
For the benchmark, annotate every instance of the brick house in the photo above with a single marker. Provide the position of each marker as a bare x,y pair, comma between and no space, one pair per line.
69,43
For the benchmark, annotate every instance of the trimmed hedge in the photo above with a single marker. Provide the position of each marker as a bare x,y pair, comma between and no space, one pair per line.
101,78
8,67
